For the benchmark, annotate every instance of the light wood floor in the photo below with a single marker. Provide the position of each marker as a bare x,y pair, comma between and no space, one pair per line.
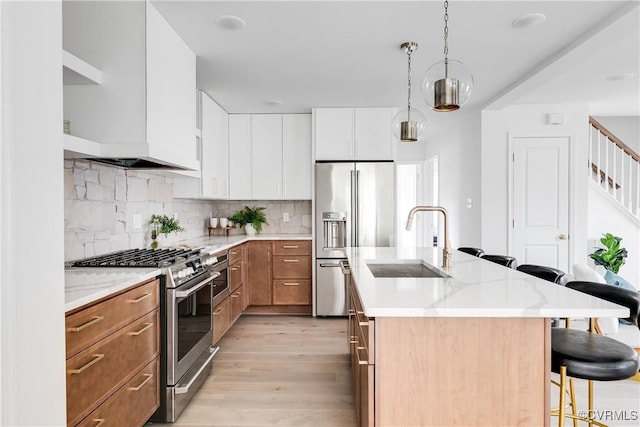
277,371
294,371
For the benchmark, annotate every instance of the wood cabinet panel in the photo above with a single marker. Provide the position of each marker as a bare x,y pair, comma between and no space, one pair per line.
133,404
292,292
235,276
221,319
292,247
237,301
291,267
97,372
89,325
259,272
236,254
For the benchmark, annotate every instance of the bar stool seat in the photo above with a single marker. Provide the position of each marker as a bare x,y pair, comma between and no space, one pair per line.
591,356
507,261
472,251
549,274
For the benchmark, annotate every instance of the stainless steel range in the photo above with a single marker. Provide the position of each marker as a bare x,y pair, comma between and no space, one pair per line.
191,283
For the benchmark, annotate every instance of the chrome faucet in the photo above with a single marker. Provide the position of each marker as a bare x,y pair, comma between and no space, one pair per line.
446,252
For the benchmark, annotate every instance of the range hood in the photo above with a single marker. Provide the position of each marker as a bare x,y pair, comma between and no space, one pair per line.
128,155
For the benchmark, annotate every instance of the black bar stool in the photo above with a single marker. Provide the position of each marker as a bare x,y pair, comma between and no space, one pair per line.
472,251
593,357
549,274
507,261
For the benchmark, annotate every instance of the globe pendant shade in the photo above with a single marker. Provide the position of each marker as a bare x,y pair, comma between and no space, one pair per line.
409,126
447,85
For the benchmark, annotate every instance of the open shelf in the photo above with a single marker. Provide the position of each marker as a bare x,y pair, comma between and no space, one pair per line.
78,72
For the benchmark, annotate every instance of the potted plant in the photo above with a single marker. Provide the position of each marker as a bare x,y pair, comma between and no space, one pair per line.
167,224
251,218
612,256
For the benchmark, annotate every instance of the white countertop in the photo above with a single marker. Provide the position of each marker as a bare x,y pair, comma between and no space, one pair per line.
215,244
86,285
474,288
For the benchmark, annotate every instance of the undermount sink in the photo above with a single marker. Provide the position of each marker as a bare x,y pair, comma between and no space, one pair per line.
403,268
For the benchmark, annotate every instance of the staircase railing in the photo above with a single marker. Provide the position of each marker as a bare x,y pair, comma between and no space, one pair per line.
615,167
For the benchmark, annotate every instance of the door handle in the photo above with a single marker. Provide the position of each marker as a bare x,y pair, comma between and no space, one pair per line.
563,237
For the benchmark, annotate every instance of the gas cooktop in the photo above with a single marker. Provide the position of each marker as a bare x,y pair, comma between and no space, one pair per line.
139,258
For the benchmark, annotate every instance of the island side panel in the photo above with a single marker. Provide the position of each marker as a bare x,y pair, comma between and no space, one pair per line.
462,371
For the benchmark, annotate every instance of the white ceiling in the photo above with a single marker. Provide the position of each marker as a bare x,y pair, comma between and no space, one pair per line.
347,53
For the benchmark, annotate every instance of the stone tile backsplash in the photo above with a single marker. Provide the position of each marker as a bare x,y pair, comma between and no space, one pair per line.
101,201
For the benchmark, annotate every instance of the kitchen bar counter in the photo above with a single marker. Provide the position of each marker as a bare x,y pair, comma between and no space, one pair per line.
473,348
475,288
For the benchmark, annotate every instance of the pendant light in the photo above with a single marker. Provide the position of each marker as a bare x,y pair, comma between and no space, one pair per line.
409,123
447,84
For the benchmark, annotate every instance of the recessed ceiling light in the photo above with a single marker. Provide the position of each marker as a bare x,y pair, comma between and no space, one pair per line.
619,76
230,22
528,20
274,102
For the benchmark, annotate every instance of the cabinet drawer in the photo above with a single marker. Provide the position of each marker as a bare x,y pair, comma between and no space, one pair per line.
292,292
235,254
89,325
235,276
95,373
237,303
221,318
292,266
292,247
133,404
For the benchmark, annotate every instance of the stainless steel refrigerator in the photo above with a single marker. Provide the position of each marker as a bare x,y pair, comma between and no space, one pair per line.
354,206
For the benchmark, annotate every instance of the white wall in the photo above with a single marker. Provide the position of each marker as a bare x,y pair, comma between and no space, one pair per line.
626,128
455,138
606,216
497,125
32,363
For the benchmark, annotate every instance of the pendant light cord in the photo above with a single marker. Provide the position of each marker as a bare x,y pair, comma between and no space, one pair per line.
409,50
446,39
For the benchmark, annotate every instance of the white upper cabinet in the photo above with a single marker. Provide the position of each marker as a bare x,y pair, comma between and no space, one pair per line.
296,156
353,133
215,149
240,175
266,156
270,156
135,95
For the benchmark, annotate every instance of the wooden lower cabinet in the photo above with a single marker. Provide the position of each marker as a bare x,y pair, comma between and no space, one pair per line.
237,302
259,272
221,319
362,350
124,353
133,404
291,292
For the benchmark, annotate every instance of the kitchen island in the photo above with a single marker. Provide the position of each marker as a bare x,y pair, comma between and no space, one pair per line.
468,346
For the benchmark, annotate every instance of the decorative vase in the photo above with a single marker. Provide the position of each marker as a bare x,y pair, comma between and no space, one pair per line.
249,230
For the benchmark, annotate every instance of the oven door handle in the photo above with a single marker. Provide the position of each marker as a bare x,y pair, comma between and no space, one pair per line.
190,291
179,389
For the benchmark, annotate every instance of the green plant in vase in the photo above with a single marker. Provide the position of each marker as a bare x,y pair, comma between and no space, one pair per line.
612,256
167,224
251,218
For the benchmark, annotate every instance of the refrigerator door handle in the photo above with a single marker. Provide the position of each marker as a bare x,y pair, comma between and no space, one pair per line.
356,242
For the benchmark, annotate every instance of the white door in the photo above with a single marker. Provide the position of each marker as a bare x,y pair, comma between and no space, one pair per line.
540,227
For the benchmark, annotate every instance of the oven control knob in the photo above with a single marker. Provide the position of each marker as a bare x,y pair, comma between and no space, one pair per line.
189,271
180,274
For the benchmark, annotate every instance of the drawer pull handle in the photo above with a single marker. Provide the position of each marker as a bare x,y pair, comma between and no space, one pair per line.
146,380
97,358
234,252
142,298
291,284
234,268
91,322
291,260
135,334
290,246
236,295
99,421
218,311
361,323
